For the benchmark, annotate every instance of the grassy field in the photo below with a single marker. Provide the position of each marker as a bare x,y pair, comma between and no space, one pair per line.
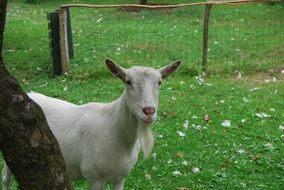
222,131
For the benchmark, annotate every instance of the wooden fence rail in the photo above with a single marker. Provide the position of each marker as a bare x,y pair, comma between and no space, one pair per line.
63,24
165,6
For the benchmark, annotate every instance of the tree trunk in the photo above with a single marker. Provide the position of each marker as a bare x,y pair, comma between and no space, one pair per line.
143,2
28,146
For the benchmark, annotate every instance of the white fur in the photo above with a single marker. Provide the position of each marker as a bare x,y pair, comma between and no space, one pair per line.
101,141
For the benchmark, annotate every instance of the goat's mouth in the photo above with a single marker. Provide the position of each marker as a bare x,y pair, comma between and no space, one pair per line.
147,120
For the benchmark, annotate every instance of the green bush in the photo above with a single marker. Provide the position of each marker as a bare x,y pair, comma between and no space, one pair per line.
33,1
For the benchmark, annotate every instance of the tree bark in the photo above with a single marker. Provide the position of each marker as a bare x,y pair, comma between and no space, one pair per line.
28,145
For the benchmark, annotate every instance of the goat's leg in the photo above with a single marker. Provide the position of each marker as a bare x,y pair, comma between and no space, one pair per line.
97,185
6,177
118,185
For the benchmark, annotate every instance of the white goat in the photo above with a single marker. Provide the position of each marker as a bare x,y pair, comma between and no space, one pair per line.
101,141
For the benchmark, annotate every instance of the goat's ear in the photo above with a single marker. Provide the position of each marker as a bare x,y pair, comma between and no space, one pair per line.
115,69
167,70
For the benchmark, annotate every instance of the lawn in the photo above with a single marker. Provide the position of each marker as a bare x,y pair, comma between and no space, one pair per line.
222,131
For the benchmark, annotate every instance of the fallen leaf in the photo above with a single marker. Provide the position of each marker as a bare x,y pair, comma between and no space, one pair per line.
169,161
99,20
255,157
262,115
177,173
241,151
181,134
185,163
226,123
179,154
281,128
206,118
185,124
254,89
148,176
183,188
195,170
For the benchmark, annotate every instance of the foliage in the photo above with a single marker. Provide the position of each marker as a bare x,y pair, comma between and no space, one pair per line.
221,131
33,1
143,2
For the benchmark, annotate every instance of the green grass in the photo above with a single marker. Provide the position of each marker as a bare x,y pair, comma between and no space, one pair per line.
245,39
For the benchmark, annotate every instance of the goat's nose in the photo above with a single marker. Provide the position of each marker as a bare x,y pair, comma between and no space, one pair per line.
149,111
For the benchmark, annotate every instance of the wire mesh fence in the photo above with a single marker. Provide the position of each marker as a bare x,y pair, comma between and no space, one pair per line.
246,37
241,37
148,38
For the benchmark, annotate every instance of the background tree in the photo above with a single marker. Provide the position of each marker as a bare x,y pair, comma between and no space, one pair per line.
27,144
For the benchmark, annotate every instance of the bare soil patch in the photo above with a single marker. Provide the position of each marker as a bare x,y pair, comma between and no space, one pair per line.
265,77
138,9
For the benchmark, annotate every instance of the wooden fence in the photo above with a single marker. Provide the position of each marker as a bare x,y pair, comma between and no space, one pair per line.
61,34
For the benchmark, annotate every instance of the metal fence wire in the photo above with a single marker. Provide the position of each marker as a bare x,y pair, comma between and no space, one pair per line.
131,36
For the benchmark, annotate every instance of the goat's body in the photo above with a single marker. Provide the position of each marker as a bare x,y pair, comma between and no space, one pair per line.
101,142
88,139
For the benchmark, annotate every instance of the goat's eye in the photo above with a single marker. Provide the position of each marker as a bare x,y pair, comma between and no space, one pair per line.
128,82
160,83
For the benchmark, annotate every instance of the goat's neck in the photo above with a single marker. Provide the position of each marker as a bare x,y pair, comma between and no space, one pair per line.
125,123
128,129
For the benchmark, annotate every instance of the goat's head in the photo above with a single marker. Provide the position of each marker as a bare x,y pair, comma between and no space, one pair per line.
142,88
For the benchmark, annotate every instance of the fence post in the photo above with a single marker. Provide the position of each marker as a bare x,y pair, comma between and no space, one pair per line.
53,27
63,40
205,38
69,35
